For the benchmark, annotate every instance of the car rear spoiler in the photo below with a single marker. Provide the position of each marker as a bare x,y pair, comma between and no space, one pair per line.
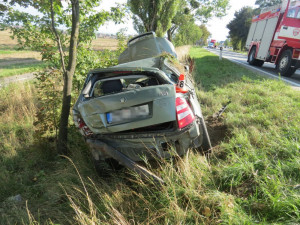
136,38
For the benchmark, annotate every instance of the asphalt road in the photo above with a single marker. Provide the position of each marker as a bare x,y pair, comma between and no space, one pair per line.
268,69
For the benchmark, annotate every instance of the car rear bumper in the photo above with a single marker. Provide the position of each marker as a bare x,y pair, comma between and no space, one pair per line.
142,145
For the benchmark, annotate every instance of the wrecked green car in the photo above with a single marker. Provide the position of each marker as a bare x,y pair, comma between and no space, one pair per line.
141,107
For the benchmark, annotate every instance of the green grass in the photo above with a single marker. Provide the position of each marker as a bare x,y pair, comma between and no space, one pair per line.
17,69
259,162
10,51
252,175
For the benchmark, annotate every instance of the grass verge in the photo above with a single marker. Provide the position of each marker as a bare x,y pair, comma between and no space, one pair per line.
252,175
17,69
256,164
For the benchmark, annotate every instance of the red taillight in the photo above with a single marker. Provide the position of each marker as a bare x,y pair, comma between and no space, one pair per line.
184,113
83,128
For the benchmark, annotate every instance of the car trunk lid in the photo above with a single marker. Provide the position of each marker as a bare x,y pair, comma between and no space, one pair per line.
136,108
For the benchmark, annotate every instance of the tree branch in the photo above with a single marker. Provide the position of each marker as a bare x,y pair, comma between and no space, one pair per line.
57,38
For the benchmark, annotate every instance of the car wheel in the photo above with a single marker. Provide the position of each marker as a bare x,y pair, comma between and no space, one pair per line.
284,64
206,144
252,60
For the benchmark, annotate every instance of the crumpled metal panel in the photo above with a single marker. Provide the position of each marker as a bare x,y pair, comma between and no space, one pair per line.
161,98
146,46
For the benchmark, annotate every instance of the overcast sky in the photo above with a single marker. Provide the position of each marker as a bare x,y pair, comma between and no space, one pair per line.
217,27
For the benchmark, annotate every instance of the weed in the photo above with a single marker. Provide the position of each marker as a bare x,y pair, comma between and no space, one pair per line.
251,176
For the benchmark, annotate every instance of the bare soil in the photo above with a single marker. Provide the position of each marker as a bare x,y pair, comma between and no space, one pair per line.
217,130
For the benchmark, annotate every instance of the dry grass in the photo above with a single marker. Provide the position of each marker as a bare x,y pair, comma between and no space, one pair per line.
16,116
182,52
5,41
20,55
105,43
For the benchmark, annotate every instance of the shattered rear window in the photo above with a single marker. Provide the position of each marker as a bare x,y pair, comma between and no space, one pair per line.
121,84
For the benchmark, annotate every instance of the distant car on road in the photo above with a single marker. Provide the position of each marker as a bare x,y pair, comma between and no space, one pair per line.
211,45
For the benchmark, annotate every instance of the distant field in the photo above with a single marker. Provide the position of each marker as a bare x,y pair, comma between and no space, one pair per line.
15,62
6,42
105,43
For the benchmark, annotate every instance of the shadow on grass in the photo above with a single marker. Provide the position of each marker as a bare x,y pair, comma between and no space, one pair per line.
16,61
8,47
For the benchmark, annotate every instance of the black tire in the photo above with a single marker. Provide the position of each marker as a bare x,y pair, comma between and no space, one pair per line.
251,56
206,144
252,60
284,64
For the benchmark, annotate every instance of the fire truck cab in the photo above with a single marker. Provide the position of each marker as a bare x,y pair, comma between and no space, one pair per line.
274,36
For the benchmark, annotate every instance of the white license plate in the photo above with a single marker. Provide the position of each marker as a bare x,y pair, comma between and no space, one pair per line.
128,114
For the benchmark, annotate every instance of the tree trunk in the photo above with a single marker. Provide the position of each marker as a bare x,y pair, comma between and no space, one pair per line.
169,35
170,32
68,78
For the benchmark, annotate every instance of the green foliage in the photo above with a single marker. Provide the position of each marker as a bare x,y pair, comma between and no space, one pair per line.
49,92
188,34
153,15
208,9
49,84
190,11
267,3
239,27
205,35
80,21
228,42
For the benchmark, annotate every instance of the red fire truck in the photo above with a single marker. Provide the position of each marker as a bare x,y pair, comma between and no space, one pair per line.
274,36
212,43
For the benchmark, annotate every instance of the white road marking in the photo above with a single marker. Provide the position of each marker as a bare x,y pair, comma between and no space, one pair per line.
255,68
267,73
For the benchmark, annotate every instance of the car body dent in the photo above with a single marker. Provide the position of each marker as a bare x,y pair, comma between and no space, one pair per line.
135,139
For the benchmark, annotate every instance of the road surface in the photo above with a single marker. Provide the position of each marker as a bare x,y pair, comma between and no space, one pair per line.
17,78
267,69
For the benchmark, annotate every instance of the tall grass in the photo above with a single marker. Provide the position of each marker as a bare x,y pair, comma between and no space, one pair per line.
251,176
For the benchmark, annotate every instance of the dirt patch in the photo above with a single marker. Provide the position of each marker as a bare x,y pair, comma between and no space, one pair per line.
217,130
